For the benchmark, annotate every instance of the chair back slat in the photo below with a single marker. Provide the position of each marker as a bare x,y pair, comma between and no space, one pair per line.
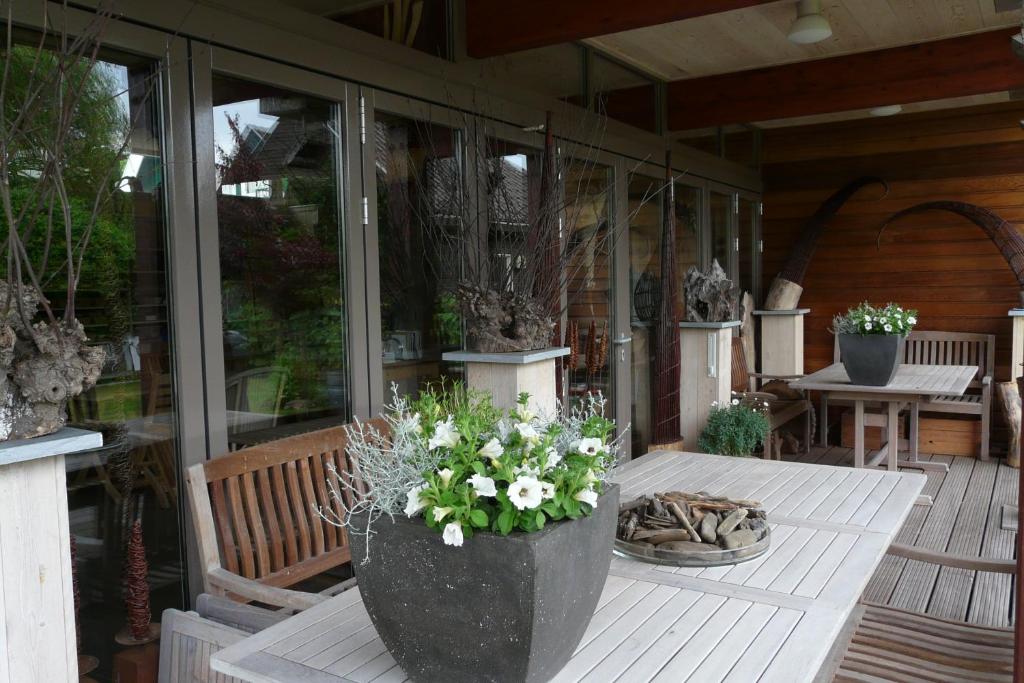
740,372
266,502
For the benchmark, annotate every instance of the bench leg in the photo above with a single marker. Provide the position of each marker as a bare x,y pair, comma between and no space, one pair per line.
986,419
824,420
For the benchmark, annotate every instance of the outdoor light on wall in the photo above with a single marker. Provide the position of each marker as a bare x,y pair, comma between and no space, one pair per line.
810,25
888,110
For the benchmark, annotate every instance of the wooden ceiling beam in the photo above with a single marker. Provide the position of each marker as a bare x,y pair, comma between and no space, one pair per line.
498,27
954,67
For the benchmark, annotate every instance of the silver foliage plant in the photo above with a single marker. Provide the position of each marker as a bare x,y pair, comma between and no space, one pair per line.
385,467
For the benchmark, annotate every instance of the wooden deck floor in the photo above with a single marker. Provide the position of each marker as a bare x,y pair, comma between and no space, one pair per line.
965,519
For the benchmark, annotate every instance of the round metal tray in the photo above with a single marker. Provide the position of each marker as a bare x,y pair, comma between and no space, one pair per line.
711,558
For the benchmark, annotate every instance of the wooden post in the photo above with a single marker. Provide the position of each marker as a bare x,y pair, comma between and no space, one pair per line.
1018,622
505,375
705,376
37,632
782,341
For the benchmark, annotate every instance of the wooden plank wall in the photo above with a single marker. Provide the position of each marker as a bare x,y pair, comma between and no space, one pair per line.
937,262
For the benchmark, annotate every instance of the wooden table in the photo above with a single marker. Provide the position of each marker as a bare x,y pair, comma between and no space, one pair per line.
770,619
912,386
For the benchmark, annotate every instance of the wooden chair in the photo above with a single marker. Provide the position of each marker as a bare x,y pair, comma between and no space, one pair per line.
254,398
890,644
256,517
746,385
948,348
188,639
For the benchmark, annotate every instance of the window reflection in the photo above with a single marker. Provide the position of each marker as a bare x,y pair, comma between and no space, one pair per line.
279,230
419,186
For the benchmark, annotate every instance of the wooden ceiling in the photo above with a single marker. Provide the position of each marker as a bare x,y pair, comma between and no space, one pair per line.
714,62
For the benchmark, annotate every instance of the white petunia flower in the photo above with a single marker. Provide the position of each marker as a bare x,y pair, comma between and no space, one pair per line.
440,513
484,486
491,450
588,496
888,328
867,326
590,477
553,457
525,492
883,320
446,476
735,401
445,435
912,320
414,503
714,404
528,433
453,534
527,470
590,446
547,490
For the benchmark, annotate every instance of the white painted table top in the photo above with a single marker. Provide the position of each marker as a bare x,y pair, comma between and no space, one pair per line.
920,380
770,619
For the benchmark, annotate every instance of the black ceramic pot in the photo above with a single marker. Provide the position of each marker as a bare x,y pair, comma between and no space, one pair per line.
498,609
871,359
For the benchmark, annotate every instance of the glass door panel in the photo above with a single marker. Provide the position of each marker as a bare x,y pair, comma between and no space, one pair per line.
645,287
589,290
513,198
688,231
720,215
122,301
279,228
419,191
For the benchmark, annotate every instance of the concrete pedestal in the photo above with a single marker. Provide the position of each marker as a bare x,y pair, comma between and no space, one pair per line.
782,341
705,374
505,375
37,612
1017,346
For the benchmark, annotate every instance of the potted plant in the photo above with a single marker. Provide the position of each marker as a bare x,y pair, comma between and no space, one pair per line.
735,429
871,341
485,540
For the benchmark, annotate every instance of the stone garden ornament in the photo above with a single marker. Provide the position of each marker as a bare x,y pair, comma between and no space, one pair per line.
486,542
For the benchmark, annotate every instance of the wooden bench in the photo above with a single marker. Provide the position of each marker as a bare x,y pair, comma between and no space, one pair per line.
949,348
255,513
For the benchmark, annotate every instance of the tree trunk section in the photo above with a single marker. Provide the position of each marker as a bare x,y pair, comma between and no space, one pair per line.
783,295
1009,404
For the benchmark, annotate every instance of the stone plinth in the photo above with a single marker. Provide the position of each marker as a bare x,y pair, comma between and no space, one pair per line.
705,373
505,375
1017,347
782,341
37,631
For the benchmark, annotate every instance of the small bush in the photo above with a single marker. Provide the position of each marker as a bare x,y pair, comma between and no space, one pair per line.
735,429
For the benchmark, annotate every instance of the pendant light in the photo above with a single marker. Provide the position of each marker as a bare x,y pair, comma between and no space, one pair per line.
810,25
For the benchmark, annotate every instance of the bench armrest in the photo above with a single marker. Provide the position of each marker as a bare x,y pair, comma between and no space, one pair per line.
986,380
762,375
254,590
980,564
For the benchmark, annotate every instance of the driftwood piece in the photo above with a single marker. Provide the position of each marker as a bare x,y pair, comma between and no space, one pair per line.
681,521
1003,234
1009,405
711,297
747,329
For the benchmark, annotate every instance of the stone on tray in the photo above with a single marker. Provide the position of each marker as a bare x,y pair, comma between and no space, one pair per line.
739,539
732,521
708,527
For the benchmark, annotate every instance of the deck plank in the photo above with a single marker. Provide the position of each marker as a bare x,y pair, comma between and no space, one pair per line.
992,594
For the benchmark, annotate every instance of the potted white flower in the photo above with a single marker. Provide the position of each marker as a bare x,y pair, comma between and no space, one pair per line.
871,341
484,541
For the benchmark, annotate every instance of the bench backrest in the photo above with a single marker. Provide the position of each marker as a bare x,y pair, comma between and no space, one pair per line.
255,510
947,348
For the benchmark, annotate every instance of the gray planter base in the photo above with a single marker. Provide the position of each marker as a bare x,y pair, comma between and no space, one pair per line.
871,359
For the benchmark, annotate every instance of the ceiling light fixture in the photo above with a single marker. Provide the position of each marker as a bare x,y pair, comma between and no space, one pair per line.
810,26
887,110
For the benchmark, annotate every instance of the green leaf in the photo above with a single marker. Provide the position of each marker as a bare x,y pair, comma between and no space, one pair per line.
506,520
540,519
478,518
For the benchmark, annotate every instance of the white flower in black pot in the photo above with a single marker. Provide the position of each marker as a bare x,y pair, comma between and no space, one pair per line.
871,341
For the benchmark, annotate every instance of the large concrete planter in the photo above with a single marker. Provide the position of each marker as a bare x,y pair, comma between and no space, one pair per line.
498,609
871,359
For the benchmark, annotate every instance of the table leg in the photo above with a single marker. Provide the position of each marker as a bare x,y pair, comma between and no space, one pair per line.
915,425
858,433
893,424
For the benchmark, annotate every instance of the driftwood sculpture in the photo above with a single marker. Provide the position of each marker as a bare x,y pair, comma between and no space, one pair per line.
1003,234
665,387
711,297
784,294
